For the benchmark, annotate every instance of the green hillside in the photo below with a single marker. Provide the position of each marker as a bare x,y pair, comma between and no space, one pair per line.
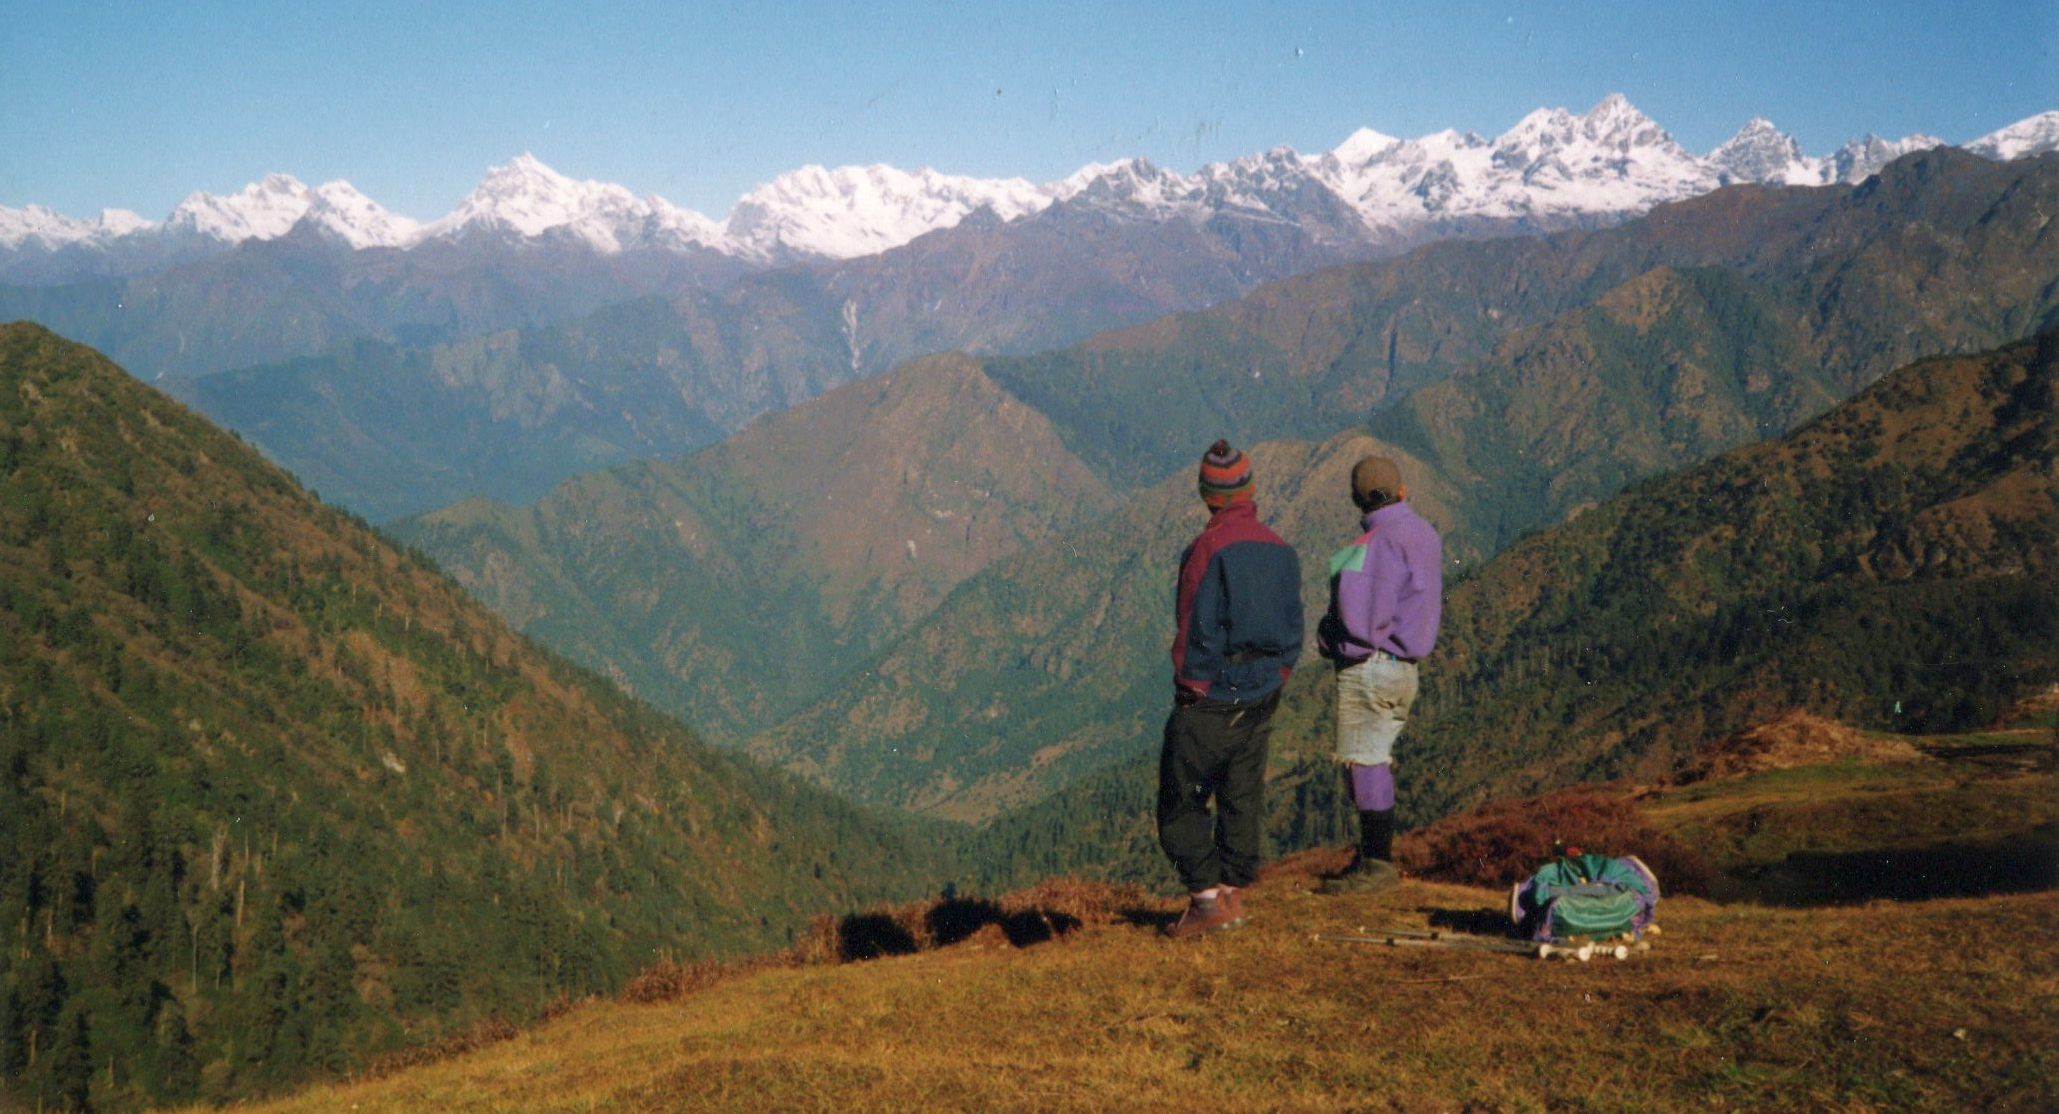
1044,665
275,795
743,582
1889,565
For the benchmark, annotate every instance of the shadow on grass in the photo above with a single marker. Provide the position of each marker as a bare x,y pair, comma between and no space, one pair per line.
1475,922
872,935
1972,869
1138,916
861,936
959,918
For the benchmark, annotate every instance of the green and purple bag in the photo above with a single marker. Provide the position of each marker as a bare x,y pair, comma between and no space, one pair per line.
1586,897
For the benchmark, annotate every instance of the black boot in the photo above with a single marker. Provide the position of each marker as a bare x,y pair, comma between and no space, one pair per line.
1376,835
1374,871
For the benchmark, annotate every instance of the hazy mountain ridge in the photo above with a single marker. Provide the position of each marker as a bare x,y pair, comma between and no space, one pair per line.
392,431
701,363
1942,252
731,584
1117,245
276,795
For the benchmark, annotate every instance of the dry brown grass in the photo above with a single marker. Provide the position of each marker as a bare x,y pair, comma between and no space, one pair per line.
1065,996
1947,1005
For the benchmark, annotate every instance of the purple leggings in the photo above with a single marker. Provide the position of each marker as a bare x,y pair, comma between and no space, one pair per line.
1372,787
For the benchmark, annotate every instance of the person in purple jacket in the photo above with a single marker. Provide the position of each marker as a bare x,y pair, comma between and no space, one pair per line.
1386,598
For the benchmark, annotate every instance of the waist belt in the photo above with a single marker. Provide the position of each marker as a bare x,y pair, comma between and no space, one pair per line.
1379,655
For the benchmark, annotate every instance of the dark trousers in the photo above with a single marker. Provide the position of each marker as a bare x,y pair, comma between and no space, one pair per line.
1214,752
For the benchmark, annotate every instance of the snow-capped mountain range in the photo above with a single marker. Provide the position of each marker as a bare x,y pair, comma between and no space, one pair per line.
1551,169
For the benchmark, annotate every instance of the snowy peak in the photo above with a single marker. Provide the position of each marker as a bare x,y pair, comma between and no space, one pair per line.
268,209
1613,158
861,210
1760,152
1616,123
263,210
121,222
525,199
1131,184
1362,146
2034,136
49,230
1861,159
338,210
45,228
1553,169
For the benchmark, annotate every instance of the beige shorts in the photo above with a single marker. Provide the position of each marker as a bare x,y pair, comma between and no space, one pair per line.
1373,699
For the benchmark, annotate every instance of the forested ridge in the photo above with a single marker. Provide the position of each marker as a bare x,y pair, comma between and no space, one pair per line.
278,797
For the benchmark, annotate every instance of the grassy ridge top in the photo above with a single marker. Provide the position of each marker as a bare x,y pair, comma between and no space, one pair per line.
1064,997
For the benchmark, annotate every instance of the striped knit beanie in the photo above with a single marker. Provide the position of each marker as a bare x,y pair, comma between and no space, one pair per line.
1225,476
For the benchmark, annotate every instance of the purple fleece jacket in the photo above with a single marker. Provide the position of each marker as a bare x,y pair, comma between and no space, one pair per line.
1386,589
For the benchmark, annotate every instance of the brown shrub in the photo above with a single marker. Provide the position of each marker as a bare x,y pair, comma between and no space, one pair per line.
669,981
1083,901
491,1031
1504,842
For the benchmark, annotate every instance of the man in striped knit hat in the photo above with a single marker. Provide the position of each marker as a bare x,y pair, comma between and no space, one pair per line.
1238,608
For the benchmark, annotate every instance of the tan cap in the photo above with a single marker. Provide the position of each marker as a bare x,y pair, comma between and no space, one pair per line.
1375,479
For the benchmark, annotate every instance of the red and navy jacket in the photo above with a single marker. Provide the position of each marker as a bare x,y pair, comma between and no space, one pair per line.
1239,610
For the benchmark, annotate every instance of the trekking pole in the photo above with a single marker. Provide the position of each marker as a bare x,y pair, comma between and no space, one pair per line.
1543,950
1409,938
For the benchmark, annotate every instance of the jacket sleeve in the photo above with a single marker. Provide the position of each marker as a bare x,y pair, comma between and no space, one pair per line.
1296,621
1207,630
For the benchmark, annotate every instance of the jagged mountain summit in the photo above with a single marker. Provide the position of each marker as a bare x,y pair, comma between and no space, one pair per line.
524,199
854,211
1553,169
1761,152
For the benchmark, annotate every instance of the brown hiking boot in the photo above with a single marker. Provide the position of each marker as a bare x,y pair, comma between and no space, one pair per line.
1203,916
1366,876
1233,897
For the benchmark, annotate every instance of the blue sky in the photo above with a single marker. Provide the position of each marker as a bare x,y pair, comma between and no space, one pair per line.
134,105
